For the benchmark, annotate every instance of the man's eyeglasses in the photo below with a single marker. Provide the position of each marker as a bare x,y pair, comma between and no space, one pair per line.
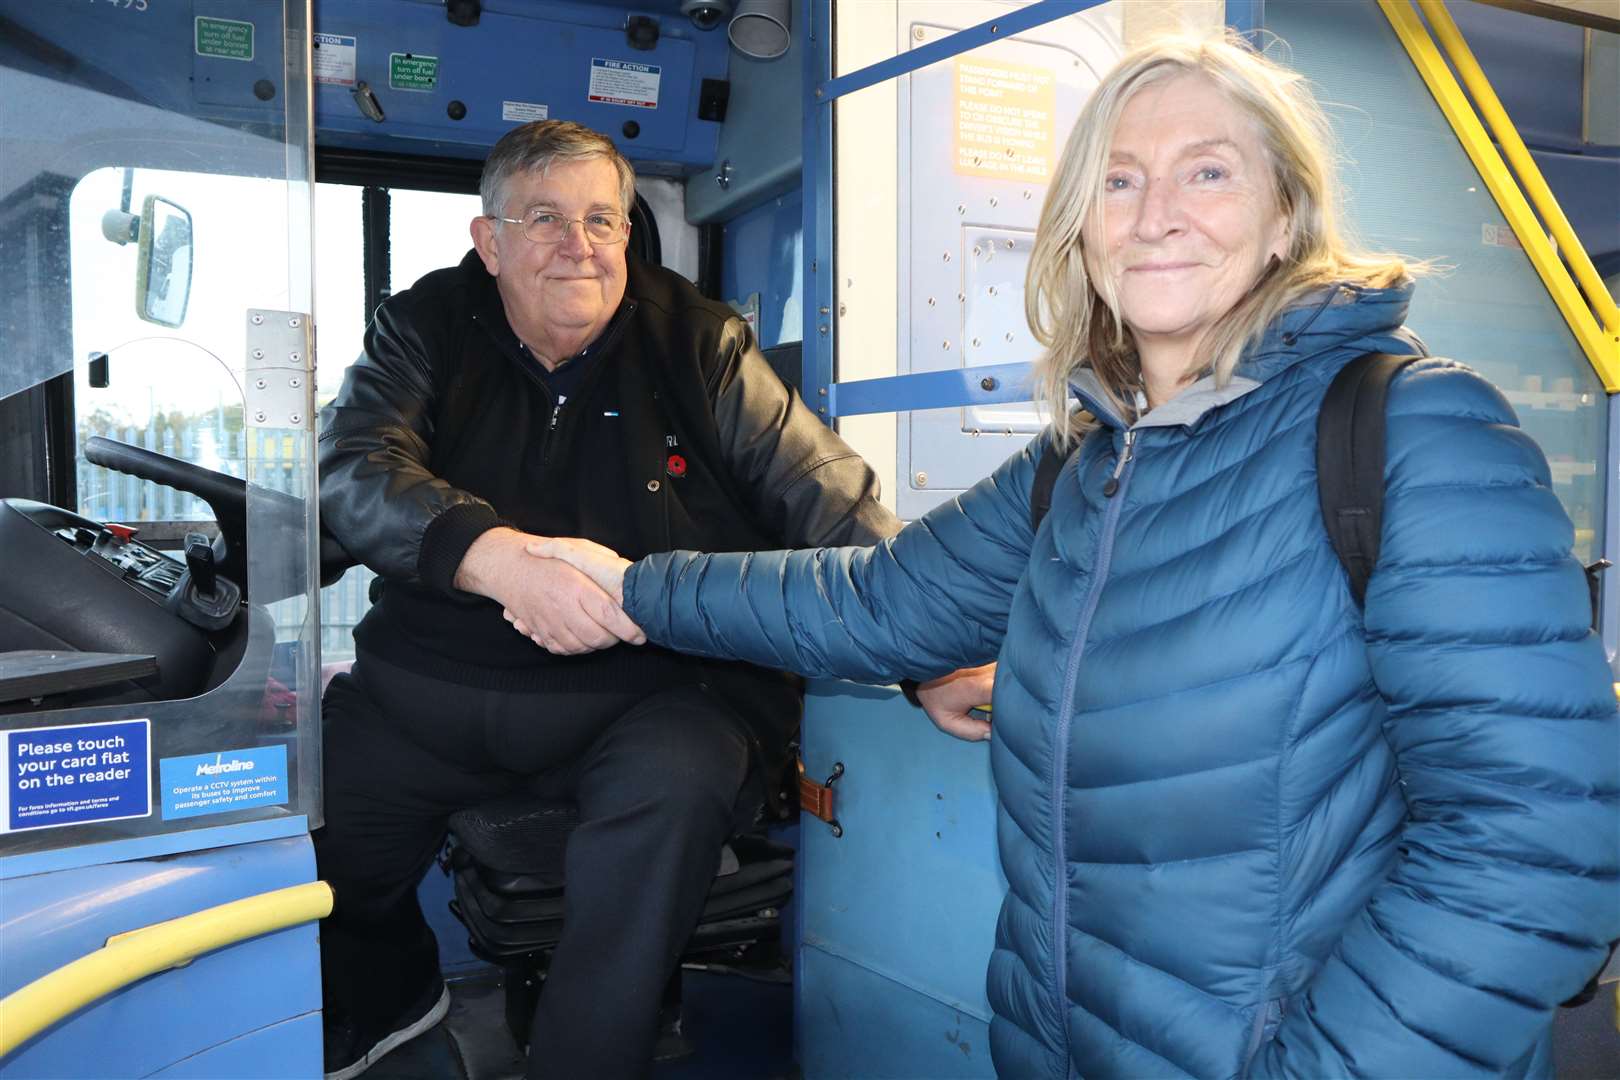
550,227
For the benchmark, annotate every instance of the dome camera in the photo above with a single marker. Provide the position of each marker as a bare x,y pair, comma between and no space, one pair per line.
706,14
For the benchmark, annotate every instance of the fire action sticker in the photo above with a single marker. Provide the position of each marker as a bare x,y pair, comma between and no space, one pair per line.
625,82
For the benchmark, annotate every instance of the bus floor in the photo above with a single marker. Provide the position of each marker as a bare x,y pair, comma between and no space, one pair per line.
740,1029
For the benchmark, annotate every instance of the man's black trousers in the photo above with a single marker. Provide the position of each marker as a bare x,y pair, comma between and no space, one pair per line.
658,780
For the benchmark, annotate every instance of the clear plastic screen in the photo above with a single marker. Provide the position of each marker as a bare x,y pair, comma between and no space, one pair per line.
154,190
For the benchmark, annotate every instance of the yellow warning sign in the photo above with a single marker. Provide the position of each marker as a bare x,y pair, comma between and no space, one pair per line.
1004,117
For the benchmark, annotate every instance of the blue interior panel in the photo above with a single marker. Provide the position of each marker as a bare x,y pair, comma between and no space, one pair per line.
526,54
54,919
764,254
899,912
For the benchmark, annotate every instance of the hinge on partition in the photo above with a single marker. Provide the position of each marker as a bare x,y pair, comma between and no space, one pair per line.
817,799
280,387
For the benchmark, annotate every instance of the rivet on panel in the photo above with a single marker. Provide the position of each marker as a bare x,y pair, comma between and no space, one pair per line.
293,323
994,201
931,301
652,485
296,419
920,480
258,320
947,256
946,344
975,343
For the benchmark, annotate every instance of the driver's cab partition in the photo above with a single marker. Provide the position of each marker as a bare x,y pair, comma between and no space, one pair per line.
159,727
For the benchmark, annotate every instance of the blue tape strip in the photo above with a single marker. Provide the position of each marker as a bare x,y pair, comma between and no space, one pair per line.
1247,17
991,384
1003,26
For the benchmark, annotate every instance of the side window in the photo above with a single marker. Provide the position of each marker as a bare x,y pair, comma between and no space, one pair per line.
172,379
427,230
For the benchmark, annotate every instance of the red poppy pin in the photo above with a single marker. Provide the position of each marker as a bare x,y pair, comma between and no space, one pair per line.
675,465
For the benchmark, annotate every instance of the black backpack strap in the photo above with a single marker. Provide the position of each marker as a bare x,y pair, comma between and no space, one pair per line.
1046,474
1594,587
1350,462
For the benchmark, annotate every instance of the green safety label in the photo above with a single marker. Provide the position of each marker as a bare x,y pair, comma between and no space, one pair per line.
225,38
413,71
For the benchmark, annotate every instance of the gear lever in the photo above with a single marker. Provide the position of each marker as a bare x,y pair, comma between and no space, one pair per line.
200,561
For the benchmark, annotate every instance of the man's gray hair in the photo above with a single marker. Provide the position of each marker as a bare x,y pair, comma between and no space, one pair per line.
537,146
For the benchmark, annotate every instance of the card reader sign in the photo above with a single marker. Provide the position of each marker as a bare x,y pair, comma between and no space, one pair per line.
625,82
75,774
228,780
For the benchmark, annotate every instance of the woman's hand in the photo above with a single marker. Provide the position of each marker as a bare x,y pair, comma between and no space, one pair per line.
552,604
950,699
602,565
575,557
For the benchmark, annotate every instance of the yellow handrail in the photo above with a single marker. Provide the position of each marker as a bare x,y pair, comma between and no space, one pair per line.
136,954
1601,345
1530,178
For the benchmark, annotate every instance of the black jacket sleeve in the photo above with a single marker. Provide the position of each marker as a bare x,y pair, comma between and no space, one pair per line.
799,477
379,498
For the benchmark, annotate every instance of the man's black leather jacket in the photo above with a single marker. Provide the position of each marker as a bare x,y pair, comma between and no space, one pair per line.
421,451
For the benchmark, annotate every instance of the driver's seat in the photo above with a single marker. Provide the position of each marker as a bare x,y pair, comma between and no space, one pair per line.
507,856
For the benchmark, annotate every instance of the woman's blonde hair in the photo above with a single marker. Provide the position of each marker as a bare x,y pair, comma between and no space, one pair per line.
1074,313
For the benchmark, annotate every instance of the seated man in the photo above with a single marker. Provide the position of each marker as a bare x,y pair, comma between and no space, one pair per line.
548,387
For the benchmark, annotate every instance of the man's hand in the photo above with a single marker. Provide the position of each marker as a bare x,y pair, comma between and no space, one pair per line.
948,699
548,601
602,565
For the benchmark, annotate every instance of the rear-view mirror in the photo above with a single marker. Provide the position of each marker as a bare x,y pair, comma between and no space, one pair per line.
163,268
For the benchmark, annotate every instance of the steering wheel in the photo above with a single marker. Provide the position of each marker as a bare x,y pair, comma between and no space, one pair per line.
227,496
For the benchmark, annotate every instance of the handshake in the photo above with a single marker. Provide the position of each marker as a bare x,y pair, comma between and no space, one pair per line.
563,594
566,596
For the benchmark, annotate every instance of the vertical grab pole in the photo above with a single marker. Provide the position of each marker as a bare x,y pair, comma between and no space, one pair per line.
817,357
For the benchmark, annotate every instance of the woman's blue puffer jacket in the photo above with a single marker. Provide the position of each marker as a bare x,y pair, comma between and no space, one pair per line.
1247,828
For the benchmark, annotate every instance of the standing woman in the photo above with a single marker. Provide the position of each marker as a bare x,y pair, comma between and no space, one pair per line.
1249,827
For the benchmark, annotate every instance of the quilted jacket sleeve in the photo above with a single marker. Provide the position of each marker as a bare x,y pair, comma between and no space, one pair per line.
930,600
1506,886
